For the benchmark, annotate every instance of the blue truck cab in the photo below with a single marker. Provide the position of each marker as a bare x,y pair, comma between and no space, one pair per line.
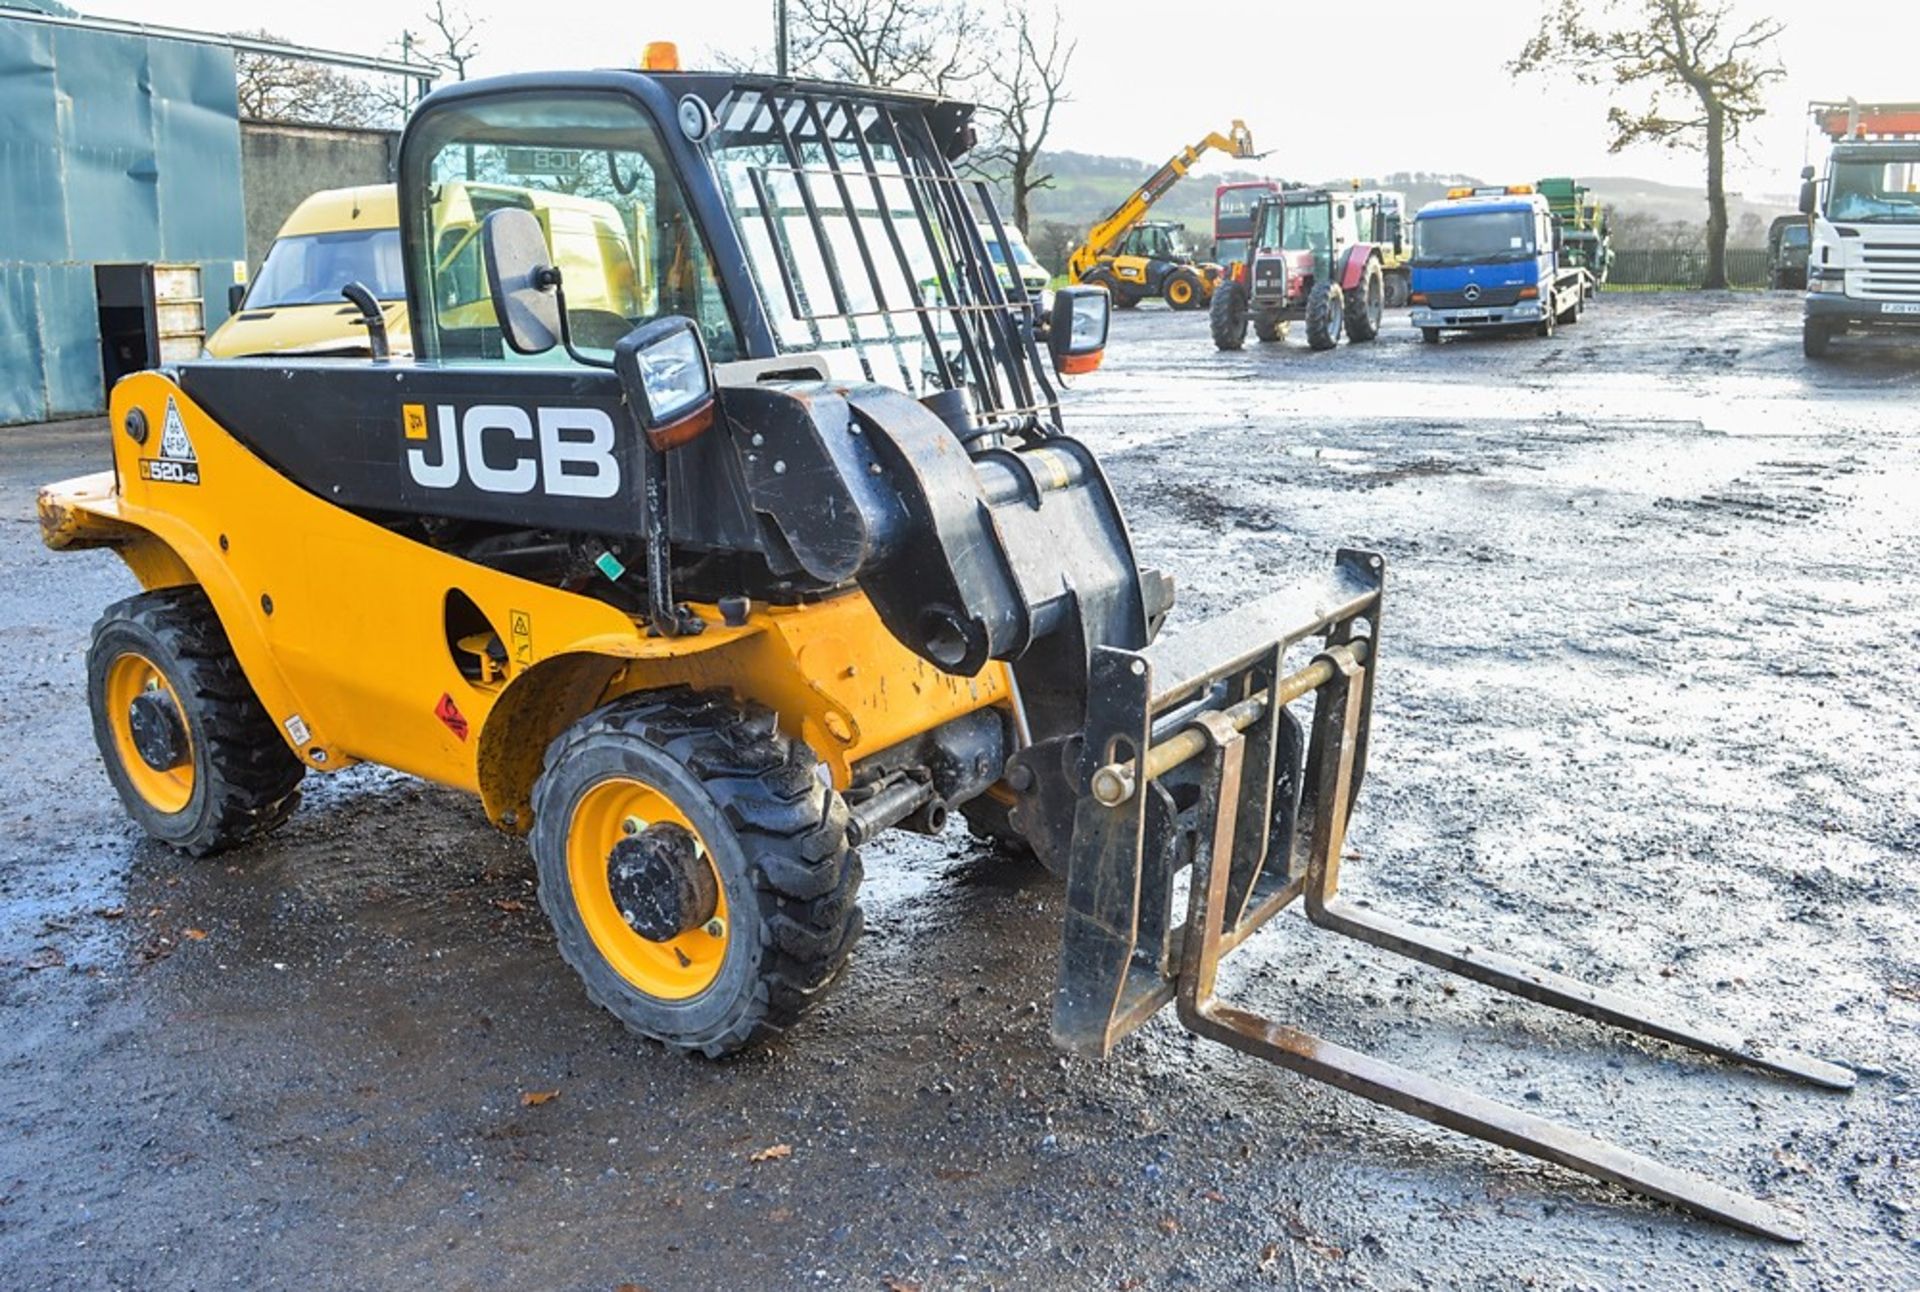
1491,258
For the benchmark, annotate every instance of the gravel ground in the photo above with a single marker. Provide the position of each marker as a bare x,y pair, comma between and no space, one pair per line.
1646,715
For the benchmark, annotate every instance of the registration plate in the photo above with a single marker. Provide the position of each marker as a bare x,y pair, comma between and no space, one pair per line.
1470,318
1899,309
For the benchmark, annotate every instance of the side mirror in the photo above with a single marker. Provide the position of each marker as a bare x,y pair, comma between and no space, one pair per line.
1077,332
1807,202
236,295
668,382
521,280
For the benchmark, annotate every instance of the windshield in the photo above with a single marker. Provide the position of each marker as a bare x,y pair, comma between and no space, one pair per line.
1794,235
312,268
593,172
1233,209
1875,191
1021,256
1482,237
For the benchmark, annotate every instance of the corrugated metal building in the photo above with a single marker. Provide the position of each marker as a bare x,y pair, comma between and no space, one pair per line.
120,154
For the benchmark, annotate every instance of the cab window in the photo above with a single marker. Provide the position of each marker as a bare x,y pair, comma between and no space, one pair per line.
593,171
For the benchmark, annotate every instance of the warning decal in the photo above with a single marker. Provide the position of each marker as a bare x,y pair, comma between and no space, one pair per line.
449,712
177,463
173,437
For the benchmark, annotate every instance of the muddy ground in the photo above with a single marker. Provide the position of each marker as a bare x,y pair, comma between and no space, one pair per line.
1646,714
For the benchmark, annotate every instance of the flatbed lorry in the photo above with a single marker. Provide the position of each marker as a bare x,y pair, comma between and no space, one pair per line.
1493,258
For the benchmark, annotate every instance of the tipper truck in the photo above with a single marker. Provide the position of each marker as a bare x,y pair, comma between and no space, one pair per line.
1863,269
1493,258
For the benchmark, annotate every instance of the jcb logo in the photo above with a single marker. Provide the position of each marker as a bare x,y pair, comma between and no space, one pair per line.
562,452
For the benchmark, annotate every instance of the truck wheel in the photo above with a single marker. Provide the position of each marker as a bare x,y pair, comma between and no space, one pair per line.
188,747
1815,339
1183,290
1397,289
1269,326
695,869
1367,306
1430,335
1227,316
1545,326
1326,315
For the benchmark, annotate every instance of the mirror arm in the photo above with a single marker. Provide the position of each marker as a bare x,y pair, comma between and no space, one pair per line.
550,277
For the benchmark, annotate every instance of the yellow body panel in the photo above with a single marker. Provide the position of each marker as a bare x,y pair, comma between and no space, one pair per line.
341,627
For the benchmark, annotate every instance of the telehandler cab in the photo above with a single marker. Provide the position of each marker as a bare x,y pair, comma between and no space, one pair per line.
704,585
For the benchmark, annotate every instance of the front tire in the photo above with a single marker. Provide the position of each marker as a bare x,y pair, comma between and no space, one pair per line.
1545,326
1398,289
1430,335
1183,290
1366,307
1227,316
695,869
1326,316
1815,339
192,754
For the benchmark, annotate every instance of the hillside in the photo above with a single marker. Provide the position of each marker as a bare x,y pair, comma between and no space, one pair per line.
1087,187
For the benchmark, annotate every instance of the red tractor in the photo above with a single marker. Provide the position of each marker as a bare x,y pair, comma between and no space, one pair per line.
1307,261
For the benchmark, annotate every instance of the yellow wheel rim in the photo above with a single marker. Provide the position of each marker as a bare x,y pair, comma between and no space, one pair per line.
606,814
128,677
1181,291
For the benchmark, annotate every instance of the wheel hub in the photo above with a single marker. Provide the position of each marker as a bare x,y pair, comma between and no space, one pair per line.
159,735
661,884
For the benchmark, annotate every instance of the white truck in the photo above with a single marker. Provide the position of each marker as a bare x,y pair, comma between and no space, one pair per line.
1863,268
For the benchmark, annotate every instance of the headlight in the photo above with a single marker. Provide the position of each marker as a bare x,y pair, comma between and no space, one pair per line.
669,384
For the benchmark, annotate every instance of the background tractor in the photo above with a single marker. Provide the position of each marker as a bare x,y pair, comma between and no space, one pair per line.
708,577
1383,220
1308,262
1134,258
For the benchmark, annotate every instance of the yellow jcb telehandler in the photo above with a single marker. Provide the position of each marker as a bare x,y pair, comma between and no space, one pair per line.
708,582
1134,258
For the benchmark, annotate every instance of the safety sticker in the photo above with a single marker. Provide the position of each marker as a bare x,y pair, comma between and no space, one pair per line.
413,420
177,463
173,436
449,712
520,628
297,728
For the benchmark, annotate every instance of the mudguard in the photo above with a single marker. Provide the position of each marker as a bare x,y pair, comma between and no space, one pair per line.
1353,265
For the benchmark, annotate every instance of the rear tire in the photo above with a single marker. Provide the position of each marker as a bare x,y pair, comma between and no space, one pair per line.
773,834
1227,316
1815,339
1367,306
1326,316
192,754
1398,289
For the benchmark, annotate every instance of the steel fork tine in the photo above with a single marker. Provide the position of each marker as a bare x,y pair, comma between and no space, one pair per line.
1558,990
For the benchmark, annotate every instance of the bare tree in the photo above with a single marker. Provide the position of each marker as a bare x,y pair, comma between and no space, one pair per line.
926,45
1703,74
275,88
450,41
1022,88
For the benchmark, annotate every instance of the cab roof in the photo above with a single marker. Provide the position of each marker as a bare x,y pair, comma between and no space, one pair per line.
1495,202
338,210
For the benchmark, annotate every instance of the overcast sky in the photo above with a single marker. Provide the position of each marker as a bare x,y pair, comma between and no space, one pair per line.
1420,86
